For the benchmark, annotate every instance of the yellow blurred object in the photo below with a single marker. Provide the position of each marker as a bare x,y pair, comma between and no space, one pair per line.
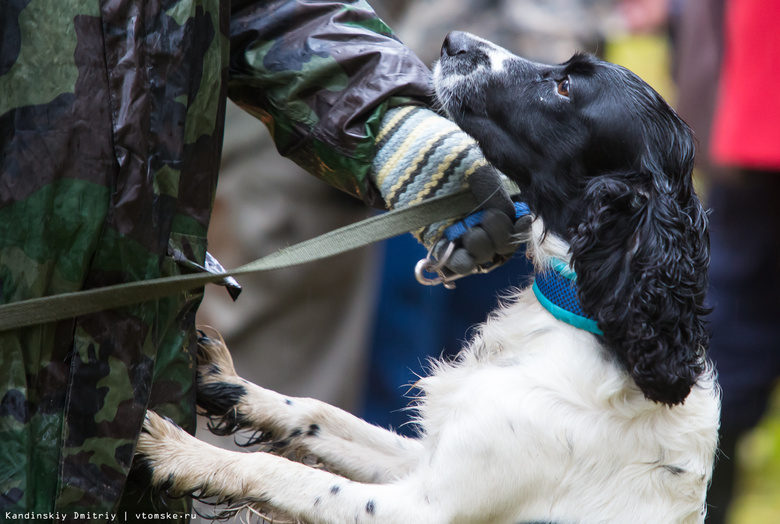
649,56
758,463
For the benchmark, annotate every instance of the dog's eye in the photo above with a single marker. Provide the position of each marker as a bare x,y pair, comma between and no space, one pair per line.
563,87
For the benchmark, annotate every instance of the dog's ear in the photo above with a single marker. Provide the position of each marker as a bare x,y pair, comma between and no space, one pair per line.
641,253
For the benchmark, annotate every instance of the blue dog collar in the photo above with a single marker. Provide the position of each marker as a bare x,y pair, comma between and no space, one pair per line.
556,290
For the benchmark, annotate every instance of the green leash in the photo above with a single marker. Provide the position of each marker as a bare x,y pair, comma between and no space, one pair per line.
360,234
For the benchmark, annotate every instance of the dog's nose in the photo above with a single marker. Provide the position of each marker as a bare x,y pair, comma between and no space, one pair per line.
456,43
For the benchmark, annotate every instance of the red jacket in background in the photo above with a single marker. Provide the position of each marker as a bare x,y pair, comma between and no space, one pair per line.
746,129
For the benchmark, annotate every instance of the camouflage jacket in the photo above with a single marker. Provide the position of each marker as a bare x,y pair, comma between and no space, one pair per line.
111,121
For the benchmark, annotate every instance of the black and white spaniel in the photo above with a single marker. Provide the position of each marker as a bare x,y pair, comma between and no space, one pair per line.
587,398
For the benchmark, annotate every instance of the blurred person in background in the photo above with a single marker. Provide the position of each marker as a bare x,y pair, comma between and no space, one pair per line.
727,53
302,330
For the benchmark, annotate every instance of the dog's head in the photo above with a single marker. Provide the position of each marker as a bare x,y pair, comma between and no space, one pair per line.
606,164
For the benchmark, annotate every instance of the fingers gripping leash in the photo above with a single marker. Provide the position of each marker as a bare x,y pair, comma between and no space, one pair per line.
439,261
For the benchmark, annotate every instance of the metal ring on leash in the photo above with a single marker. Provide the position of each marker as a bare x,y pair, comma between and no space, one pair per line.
431,265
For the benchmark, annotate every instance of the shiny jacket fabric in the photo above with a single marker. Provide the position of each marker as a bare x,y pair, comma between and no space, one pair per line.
111,121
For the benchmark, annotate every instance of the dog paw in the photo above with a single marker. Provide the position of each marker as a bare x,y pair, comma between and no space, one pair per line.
214,358
219,388
156,451
178,463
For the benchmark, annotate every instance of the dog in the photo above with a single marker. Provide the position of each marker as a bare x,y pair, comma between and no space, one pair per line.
603,414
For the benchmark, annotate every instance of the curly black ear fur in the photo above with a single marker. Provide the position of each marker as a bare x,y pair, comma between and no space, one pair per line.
641,255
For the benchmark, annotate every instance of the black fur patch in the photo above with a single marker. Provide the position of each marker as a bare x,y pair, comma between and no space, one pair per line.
217,398
370,507
674,470
258,437
166,484
280,445
314,430
142,469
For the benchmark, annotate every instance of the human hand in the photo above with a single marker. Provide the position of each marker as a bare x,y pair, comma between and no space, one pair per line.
422,155
478,243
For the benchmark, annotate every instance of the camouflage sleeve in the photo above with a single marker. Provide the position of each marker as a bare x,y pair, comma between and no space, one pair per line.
321,75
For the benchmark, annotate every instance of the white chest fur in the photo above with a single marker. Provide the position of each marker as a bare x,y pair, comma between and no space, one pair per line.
540,415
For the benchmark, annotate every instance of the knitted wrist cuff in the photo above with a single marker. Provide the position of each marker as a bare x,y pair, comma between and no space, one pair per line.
420,155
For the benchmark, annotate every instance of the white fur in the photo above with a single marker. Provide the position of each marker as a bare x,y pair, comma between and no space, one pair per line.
445,86
534,422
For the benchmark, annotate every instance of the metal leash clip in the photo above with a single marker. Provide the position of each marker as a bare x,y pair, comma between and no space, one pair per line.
431,265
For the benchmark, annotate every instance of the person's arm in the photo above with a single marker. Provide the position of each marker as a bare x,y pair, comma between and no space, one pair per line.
321,75
346,100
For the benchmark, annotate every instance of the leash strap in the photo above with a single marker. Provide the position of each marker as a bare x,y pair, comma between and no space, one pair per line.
353,236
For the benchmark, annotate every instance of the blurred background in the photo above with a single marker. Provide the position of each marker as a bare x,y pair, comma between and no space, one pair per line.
356,331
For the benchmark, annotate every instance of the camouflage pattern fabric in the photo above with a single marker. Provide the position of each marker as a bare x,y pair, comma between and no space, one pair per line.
111,121
323,101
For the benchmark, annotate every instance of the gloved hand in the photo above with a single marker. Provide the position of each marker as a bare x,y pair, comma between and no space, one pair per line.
421,155
482,240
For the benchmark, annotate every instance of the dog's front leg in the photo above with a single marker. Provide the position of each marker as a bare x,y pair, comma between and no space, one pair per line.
343,442
183,464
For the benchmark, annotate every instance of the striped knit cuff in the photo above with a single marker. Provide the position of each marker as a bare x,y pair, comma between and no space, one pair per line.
420,155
